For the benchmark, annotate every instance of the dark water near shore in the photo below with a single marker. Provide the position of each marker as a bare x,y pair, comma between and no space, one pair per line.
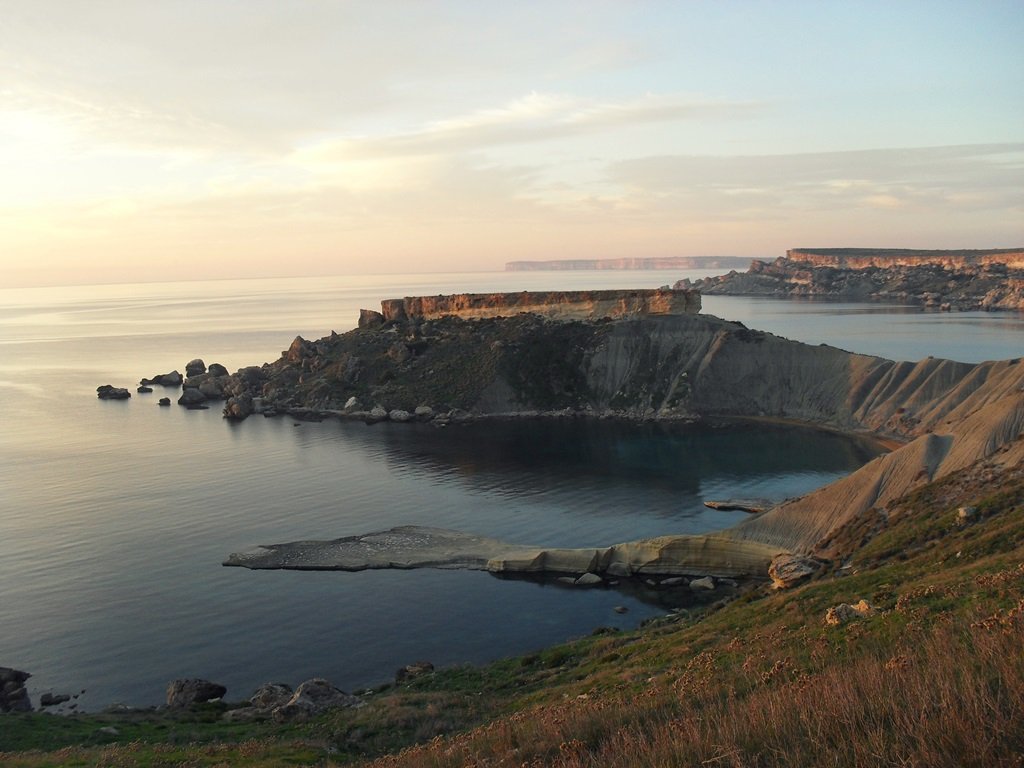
115,516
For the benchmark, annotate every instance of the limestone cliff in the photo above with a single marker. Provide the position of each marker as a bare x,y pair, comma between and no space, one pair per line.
562,305
963,280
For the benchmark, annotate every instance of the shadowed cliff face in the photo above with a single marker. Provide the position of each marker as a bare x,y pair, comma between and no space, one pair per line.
673,366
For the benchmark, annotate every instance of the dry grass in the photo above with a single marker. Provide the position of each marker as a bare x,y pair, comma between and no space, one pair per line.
949,696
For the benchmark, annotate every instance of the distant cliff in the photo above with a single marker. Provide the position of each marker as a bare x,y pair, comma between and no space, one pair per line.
963,280
639,262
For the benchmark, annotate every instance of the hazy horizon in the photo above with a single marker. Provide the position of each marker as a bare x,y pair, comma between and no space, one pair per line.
150,142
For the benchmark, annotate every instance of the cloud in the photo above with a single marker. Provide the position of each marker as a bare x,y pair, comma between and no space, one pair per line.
933,178
532,118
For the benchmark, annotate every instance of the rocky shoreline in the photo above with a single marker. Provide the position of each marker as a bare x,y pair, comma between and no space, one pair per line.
942,280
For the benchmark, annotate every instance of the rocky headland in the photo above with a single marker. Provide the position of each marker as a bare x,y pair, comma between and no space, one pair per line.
446,359
948,280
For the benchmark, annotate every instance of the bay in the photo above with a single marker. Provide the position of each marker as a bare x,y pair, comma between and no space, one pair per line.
115,516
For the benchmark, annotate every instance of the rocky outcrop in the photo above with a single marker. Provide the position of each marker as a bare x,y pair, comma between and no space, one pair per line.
788,570
962,280
312,698
840,614
13,693
409,547
865,258
110,392
563,305
637,262
172,379
182,694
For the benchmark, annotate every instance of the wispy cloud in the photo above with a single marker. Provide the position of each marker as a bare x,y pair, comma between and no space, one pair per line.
533,118
985,175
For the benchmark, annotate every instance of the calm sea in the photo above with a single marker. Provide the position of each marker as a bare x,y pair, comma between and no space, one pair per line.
115,516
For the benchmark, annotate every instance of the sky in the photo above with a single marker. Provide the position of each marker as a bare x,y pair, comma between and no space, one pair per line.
146,140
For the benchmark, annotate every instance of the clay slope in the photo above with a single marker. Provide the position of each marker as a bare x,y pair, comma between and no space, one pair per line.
800,524
704,366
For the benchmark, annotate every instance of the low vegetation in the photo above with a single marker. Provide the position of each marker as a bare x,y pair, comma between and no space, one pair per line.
934,677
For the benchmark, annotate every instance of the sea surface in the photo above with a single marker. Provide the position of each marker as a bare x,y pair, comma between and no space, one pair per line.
115,516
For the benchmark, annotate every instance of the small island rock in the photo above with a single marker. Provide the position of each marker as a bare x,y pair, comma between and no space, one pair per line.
195,367
109,392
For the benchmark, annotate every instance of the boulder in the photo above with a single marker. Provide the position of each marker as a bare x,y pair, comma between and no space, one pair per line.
312,698
369,318
143,389
424,412
164,401
705,582
842,613
195,367
589,580
109,392
965,515
172,379
378,413
182,694
352,403
412,671
191,396
787,570
211,388
53,699
13,694
270,695
298,350
216,369
399,415
238,407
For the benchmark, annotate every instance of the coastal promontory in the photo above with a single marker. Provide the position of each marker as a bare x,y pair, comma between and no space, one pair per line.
940,279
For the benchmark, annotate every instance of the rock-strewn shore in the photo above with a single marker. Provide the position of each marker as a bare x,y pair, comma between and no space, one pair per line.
947,280
677,366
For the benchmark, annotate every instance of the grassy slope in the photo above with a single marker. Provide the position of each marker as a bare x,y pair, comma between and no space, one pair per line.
935,677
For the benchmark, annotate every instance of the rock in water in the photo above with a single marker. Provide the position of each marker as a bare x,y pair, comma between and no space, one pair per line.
191,396
109,392
195,367
705,582
182,694
216,369
13,694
